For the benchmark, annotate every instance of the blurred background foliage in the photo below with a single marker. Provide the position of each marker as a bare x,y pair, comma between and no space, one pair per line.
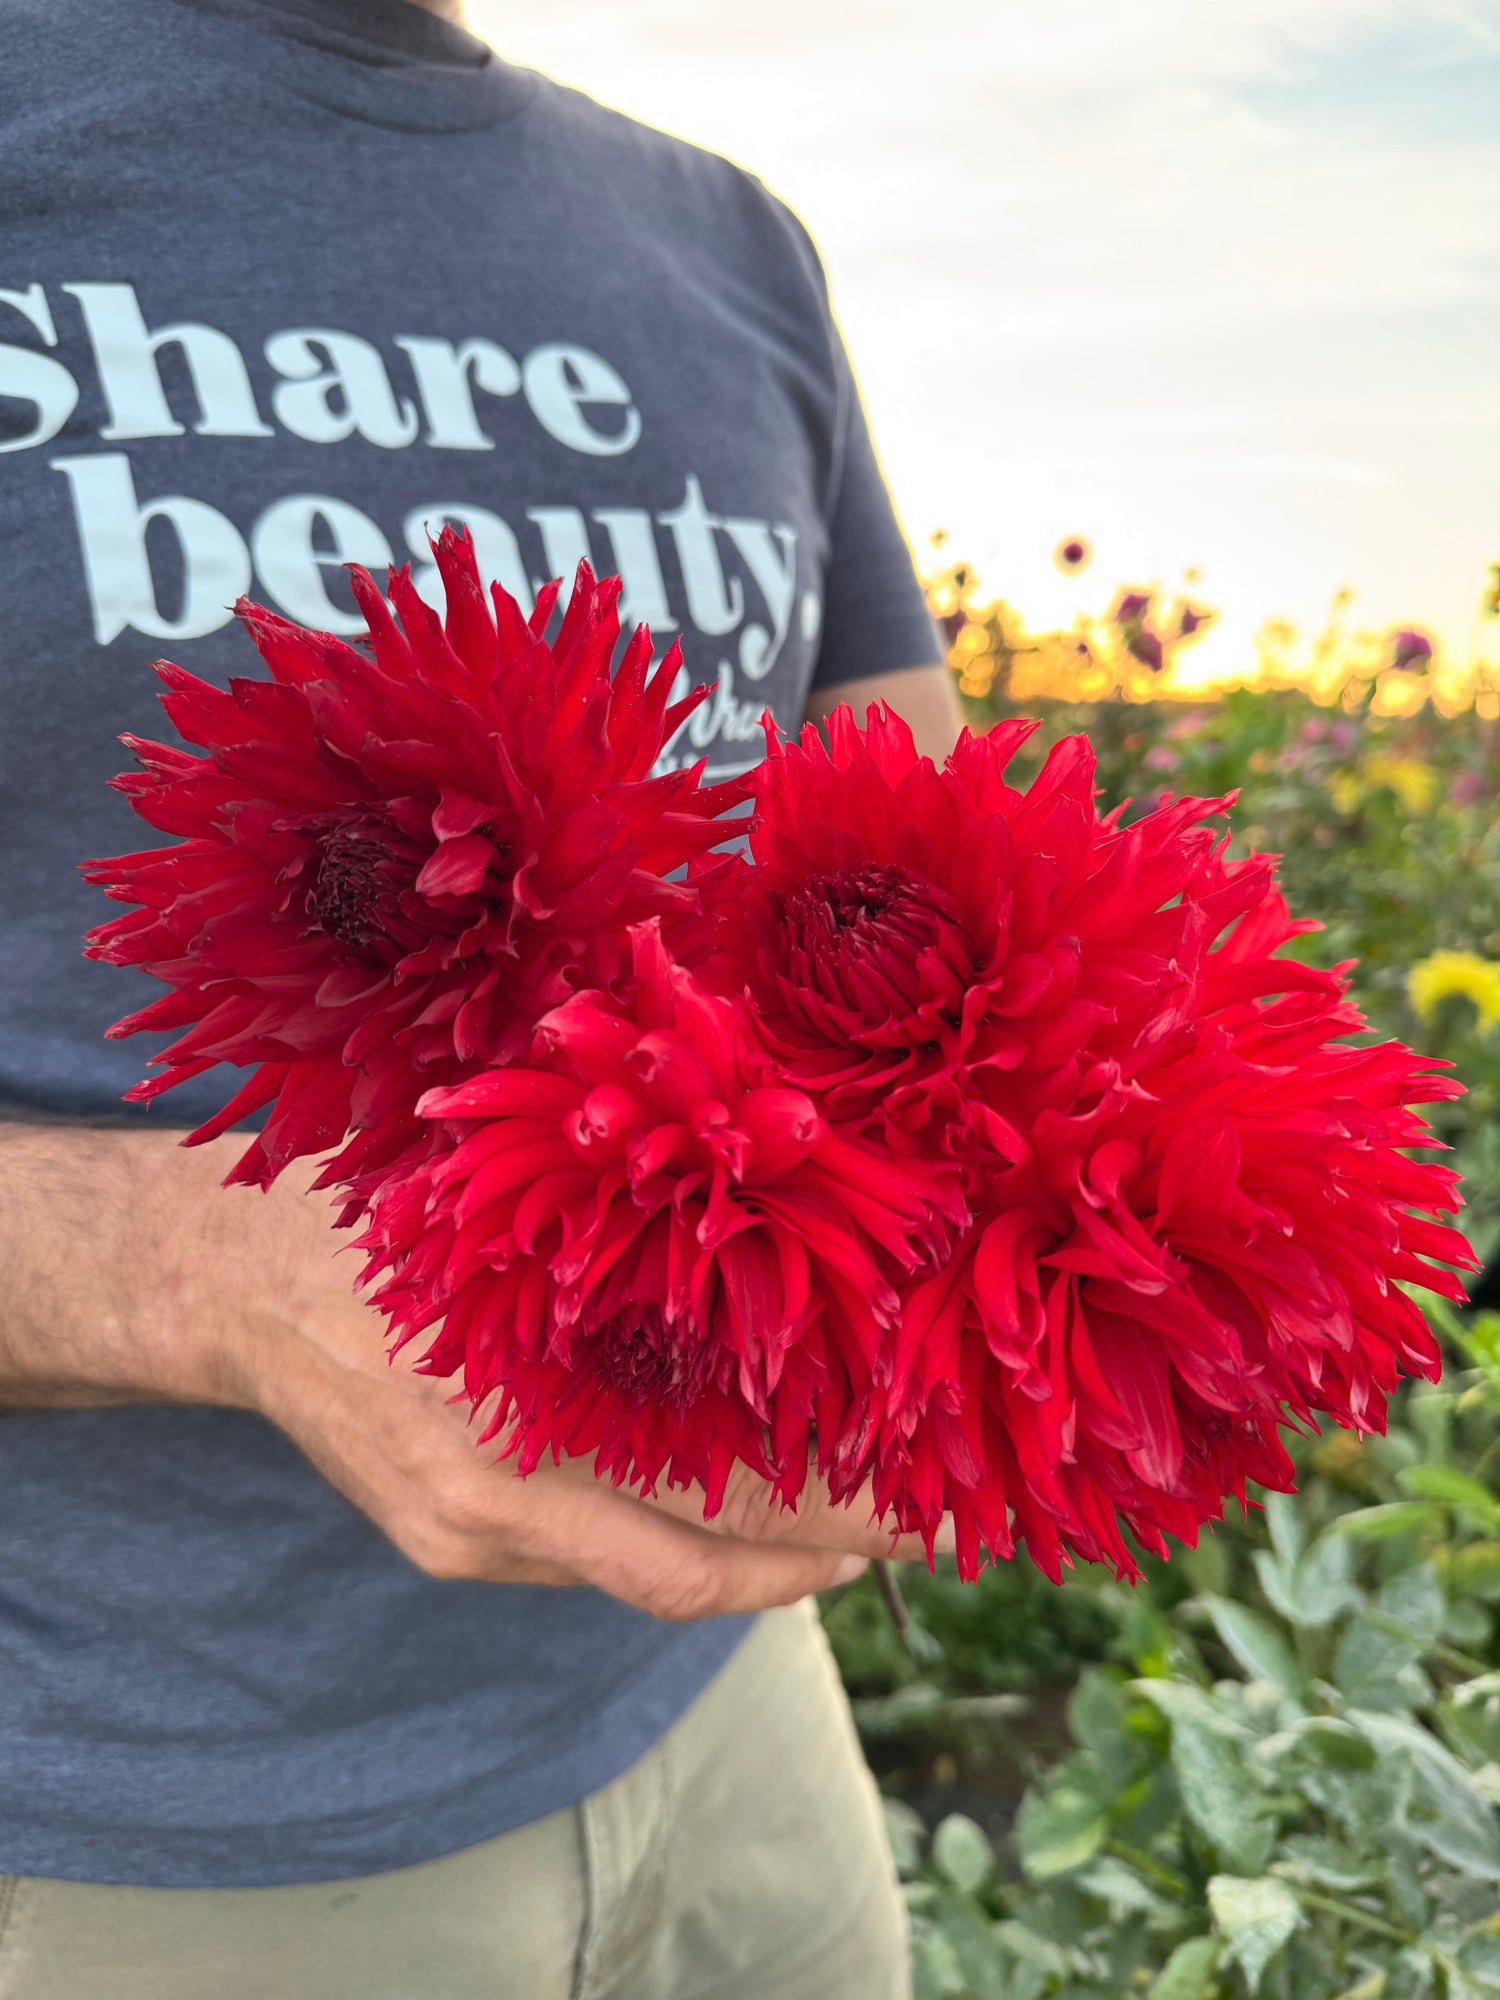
1272,1767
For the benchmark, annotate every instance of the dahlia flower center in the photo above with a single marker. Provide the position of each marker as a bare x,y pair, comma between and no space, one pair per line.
357,883
856,936
647,1360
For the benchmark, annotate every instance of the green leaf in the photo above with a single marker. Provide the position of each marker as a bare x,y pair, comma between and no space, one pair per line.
1481,1336
1372,1988
1284,1520
1324,1585
961,1851
1256,1918
1326,1863
1058,1831
1257,1646
1331,1740
1413,1976
1384,1523
1466,1624
1279,1582
1452,1488
1414,1601
1480,1958
1208,1566
1032,1948
1403,1876
1185,1698
1462,1847
1121,1887
1475,1571
1443,1781
972,1935
1457,1985
1098,1712
1373,1670
1218,1795
1187,1973
936,1972
903,1832
1316,1591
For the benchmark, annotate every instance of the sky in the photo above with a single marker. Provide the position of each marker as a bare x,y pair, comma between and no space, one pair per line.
1215,286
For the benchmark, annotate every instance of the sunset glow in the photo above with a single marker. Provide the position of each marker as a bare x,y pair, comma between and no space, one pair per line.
1215,288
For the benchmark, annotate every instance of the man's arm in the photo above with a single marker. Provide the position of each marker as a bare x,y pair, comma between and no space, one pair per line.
118,1279
924,697
127,1274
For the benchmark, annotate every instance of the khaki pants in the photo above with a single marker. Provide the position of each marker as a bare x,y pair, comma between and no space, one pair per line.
741,1859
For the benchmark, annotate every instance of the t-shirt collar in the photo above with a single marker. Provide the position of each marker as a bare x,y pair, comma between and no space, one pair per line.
387,62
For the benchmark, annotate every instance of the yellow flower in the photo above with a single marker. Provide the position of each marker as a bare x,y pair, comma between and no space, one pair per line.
1346,792
1432,979
1414,783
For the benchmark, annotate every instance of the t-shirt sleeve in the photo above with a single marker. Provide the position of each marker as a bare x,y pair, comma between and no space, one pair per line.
875,616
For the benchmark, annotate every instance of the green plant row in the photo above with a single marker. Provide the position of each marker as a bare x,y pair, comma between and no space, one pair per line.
1272,1768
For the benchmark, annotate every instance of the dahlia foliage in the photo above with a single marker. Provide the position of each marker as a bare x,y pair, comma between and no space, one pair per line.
980,1151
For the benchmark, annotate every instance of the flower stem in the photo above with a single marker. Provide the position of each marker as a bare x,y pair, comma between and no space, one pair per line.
894,1602
1153,1870
1350,1913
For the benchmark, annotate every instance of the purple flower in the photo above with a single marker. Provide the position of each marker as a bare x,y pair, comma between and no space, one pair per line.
1191,621
1467,789
1410,651
1132,607
1072,554
1147,648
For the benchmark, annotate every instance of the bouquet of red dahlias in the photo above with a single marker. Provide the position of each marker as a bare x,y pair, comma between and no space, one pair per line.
980,1151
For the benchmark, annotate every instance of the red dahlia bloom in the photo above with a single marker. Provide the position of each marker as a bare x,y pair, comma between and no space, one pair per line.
392,862
653,1249
868,935
1192,1204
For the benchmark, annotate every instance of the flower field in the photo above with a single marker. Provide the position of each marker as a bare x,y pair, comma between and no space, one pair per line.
1272,1767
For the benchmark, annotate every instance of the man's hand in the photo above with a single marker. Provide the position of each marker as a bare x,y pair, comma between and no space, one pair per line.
129,1275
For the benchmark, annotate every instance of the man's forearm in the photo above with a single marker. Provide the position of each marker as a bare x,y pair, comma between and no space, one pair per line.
127,1274
924,697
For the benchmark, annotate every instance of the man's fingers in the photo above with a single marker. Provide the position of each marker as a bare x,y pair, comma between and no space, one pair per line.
751,1513
676,1569
750,1576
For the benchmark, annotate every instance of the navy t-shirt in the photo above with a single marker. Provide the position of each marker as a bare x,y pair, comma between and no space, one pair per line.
284,284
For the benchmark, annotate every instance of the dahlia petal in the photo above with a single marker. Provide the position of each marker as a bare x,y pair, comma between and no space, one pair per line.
458,867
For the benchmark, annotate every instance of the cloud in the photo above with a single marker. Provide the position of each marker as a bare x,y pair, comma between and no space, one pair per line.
1215,283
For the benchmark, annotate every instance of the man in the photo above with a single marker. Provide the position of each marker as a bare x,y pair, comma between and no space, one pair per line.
304,1698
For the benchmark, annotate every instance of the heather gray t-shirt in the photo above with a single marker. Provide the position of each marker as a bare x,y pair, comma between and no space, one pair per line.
282,284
